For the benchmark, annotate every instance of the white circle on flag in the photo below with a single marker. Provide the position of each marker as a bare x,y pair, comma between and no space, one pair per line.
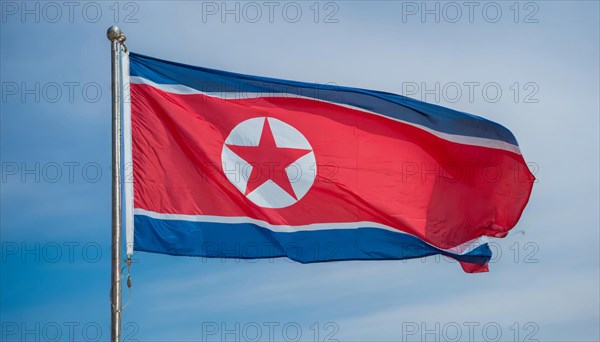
269,161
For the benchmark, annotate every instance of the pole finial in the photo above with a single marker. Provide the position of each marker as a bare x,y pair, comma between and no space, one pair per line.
114,33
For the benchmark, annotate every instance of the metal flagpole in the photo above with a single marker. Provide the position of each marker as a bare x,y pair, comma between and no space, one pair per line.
116,37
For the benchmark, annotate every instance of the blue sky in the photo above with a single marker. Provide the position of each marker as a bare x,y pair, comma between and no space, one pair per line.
55,187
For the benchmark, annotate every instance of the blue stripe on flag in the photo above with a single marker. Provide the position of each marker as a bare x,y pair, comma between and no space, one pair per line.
249,241
391,105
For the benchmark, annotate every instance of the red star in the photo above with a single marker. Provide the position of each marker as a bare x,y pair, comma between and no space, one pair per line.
268,161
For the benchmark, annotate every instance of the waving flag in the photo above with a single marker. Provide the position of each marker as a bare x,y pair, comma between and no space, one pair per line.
231,165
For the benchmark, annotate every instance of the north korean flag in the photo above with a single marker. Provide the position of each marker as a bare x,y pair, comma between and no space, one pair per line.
238,166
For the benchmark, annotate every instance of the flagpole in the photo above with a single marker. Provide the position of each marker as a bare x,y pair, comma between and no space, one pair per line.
116,37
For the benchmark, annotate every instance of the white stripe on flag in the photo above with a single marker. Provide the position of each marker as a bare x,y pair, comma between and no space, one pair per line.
181,89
